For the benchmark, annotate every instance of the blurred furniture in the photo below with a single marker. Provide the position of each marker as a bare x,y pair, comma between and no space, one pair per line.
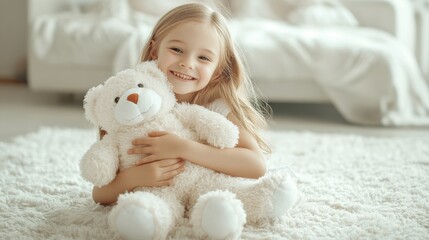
422,26
90,56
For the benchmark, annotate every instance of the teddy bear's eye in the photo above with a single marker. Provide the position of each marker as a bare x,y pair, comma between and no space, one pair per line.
140,85
116,99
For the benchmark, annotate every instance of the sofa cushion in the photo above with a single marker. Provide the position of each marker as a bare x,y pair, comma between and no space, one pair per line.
283,49
69,38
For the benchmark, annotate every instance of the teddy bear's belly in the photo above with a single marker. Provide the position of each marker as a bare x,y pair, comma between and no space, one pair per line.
127,136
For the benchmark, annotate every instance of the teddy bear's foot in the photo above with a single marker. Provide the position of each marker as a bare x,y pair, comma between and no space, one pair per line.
141,215
134,222
285,195
218,215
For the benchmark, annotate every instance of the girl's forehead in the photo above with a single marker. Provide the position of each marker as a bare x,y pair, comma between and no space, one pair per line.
193,33
199,29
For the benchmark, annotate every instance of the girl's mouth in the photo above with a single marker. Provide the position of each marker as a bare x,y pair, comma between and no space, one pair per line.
182,76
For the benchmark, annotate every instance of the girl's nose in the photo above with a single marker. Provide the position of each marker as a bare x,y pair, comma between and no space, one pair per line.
186,64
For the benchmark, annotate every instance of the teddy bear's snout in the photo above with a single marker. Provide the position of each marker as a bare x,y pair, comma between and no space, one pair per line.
133,98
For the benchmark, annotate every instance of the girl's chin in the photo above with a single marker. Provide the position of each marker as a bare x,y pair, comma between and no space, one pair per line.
181,92
181,87
183,96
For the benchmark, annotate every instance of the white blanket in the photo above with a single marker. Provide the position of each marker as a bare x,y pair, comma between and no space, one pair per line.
368,75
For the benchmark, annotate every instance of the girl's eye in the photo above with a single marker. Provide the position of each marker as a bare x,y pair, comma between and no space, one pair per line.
116,99
205,58
140,85
178,50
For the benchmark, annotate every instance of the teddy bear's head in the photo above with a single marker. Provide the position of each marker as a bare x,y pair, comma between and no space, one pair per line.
129,98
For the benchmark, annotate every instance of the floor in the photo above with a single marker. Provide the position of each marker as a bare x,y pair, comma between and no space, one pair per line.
23,111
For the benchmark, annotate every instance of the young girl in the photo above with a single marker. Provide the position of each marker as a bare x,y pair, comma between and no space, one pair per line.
193,47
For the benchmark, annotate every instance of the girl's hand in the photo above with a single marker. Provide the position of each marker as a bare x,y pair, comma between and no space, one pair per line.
157,173
154,174
158,145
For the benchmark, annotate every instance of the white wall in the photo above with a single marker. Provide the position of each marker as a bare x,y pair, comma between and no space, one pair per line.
13,37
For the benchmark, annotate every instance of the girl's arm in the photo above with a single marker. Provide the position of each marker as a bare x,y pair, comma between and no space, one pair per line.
154,174
245,160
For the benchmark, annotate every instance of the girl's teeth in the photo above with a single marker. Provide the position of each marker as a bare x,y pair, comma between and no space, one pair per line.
182,76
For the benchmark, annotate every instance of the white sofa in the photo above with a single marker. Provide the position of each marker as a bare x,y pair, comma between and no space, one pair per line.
76,76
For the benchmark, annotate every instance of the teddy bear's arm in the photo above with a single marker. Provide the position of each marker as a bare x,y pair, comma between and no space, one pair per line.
210,126
100,163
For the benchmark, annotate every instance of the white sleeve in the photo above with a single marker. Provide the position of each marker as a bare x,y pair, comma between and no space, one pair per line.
219,106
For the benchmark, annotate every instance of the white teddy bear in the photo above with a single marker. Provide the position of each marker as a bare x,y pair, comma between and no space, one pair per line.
140,100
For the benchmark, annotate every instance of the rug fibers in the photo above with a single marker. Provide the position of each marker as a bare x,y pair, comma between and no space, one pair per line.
351,187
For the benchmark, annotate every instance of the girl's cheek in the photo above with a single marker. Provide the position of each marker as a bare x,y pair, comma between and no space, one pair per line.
170,58
210,70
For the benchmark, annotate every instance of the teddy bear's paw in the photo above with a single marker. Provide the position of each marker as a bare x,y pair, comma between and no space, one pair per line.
141,215
218,215
134,222
285,196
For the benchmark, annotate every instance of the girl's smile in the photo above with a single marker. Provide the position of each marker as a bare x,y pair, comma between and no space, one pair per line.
181,76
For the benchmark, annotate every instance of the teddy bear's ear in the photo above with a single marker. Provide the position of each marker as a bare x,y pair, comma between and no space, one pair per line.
151,68
89,103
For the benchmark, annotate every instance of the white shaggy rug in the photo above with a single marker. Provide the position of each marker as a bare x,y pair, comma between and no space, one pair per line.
353,187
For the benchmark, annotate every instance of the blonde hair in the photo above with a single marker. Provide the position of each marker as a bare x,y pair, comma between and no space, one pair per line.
233,84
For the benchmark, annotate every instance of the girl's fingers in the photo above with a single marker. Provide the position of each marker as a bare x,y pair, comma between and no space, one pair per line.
161,163
141,141
140,150
171,174
148,140
167,182
157,133
169,162
173,167
145,160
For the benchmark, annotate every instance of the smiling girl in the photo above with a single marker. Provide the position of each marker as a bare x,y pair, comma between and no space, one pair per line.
193,47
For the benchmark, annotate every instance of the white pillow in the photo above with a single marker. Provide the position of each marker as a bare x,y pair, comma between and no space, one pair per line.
323,14
118,9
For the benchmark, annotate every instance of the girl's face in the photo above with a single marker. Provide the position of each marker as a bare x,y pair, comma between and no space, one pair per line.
189,55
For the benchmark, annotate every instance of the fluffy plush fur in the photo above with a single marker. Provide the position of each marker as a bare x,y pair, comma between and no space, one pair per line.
137,101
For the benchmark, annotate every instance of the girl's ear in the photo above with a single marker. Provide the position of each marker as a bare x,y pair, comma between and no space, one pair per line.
153,53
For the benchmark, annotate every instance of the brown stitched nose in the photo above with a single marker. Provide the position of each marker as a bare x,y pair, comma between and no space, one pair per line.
133,98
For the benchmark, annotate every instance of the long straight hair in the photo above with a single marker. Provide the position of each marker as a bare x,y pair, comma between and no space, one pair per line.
233,83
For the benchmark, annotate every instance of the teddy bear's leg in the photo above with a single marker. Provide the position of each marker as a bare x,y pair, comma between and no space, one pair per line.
143,215
285,196
218,215
270,196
